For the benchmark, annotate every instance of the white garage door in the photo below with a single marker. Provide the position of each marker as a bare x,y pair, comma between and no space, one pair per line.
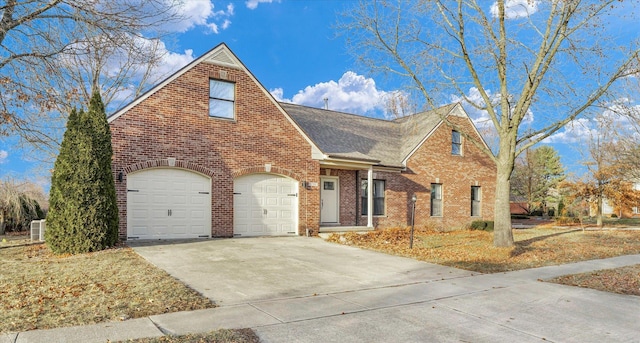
265,205
168,203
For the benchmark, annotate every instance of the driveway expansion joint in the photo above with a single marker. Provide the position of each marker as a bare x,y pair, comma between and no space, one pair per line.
267,313
164,331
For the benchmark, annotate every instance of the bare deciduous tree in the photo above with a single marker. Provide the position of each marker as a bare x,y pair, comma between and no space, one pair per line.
611,162
52,53
534,69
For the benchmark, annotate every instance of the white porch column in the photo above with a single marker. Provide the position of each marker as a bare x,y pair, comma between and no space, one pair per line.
370,197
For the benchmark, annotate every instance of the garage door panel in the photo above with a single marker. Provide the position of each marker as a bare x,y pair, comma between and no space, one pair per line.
140,213
196,229
196,214
258,229
168,203
140,230
180,214
178,230
200,200
271,215
257,188
159,199
160,230
286,215
178,200
270,201
179,184
271,189
157,184
159,213
286,189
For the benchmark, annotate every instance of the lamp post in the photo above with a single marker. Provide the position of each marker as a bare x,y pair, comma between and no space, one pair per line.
414,198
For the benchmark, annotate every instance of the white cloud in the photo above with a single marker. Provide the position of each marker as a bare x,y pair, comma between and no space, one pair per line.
3,156
253,4
352,93
473,99
278,93
170,62
574,132
202,13
614,119
514,9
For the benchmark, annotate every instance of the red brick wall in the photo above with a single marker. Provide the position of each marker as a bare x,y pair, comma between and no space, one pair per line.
174,122
433,163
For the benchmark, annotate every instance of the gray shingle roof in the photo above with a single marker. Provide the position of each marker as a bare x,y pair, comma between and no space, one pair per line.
344,135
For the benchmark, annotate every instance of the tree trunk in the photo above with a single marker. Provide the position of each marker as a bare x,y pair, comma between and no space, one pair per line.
599,212
2,223
502,234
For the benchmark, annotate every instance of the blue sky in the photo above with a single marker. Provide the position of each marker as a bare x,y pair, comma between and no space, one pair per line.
295,51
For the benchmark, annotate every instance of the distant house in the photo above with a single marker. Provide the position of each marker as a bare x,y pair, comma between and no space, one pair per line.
518,205
209,152
609,210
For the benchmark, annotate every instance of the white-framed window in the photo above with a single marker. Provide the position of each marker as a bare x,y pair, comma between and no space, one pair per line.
436,200
378,197
475,201
222,99
456,143
635,210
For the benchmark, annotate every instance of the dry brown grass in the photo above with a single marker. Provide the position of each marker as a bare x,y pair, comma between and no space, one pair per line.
219,336
473,250
40,290
624,280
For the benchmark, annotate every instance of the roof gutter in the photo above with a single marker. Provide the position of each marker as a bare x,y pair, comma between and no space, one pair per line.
355,164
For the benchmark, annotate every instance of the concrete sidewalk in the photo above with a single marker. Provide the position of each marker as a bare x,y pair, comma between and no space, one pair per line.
504,307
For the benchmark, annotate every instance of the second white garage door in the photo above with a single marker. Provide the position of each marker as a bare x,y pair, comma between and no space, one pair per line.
265,205
167,203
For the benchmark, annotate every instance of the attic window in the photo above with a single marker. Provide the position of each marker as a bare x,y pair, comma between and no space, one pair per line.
456,143
221,99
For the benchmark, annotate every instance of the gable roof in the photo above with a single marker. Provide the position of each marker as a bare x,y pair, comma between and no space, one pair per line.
219,55
387,143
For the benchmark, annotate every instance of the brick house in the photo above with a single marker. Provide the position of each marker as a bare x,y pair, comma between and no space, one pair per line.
210,153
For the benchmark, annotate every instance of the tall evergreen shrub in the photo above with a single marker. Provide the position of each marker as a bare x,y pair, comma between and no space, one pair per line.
83,213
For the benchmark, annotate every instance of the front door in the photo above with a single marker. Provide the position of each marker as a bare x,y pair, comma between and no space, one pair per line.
329,200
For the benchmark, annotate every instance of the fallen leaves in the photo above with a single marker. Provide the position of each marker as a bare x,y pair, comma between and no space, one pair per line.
218,336
474,250
40,290
624,280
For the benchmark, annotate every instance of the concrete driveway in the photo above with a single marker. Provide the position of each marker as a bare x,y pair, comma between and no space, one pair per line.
302,289
242,270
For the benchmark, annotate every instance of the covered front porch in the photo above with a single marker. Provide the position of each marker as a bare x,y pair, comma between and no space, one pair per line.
347,190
